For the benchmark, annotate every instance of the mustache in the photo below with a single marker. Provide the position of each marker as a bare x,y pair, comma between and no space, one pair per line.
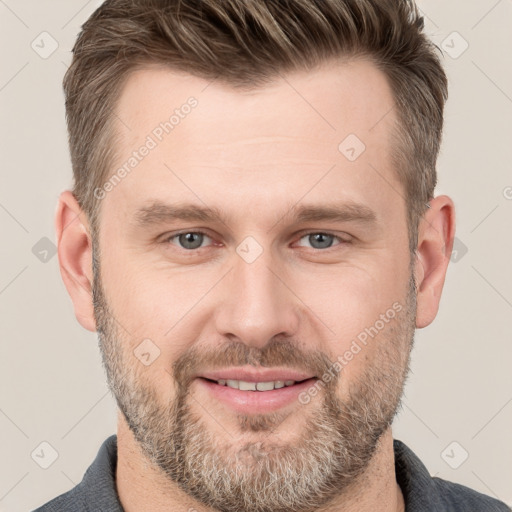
277,353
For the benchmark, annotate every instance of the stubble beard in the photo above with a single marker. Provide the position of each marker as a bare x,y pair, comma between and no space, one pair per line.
337,444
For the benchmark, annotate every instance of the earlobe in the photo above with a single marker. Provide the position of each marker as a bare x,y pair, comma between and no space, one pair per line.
75,257
436,232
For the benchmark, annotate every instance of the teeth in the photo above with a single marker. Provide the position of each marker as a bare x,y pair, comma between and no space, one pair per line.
246,386
253,386
265,386
233,384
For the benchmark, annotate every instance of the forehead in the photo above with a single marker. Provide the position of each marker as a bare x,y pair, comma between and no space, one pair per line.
337,97
275,140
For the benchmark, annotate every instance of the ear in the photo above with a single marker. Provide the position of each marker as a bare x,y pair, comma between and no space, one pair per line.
436,232
75,257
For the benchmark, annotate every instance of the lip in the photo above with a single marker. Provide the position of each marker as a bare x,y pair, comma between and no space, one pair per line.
255,402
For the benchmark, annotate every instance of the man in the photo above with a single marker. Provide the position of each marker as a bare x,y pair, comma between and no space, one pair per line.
253,233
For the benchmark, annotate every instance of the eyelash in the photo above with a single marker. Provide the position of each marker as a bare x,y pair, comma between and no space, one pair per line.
168,239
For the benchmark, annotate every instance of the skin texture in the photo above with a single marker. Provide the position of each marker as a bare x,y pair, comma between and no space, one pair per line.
256,157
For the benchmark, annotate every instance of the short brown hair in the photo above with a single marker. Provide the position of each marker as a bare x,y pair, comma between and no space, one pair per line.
247,43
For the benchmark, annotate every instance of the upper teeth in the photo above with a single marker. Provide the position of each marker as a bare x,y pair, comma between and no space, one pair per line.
255,386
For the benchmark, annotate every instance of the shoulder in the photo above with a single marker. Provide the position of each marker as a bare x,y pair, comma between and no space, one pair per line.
70,501
424,493
97,490
459,497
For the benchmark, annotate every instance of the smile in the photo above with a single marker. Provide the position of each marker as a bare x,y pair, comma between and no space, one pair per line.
255,386
255,394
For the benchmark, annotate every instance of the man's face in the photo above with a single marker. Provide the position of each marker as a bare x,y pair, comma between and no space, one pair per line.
273,291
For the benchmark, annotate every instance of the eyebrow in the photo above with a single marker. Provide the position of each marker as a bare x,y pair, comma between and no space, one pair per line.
159,213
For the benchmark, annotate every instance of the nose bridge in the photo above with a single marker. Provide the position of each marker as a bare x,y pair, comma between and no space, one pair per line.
257,305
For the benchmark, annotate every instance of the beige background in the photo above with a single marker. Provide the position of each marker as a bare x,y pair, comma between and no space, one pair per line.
52,385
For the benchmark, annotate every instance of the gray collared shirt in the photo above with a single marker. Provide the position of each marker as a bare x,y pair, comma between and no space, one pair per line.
422,493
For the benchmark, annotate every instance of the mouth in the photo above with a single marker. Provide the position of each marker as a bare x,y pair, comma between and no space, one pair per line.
255,393
243,385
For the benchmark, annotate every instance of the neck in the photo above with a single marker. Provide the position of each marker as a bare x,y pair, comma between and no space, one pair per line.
141,486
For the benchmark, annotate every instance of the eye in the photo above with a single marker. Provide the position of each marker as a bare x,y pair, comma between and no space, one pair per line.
189,240
320,240
193,240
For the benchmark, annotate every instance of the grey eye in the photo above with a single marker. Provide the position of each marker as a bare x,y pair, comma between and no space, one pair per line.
190,240
320,240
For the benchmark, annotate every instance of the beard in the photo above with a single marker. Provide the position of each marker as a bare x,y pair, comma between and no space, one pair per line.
327,459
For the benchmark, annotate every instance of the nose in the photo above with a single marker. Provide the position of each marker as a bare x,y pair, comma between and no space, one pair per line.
258,304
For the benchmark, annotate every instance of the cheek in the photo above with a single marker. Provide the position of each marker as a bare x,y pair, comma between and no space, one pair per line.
361,306
352,296
160,310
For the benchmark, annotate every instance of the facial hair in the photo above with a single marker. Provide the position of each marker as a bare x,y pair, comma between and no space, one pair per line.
337,444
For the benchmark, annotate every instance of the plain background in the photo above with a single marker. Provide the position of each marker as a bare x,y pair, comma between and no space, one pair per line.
458,400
